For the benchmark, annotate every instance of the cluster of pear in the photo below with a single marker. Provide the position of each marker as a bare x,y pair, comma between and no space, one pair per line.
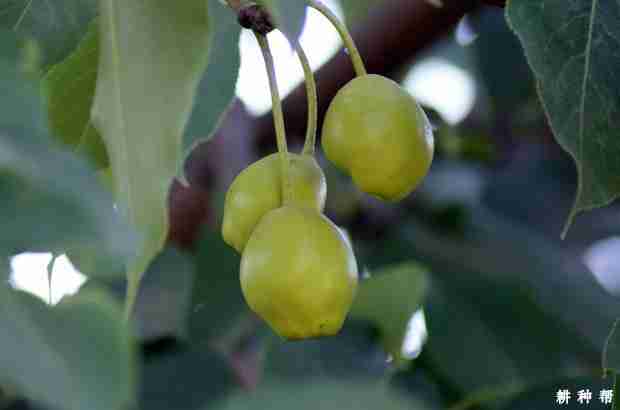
298,270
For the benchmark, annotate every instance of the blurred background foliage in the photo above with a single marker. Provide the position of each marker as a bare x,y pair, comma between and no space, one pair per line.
468,299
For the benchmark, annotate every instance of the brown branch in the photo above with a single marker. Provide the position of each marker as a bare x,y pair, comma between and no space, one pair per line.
392,34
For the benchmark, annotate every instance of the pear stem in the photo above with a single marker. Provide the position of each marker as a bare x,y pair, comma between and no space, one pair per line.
278,116
356,58
313,109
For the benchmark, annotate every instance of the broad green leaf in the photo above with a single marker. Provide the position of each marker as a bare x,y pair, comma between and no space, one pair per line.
389,298
611,351
152,55
74,356
70,89
217,87
572,48
323,394
51,200
56,25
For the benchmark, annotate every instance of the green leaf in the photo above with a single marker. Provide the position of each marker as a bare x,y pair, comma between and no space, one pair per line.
70,89
51,200
353,354
217,87
611,351
152,56
572,50
499,55
389,298
356,10
217,301
187,379
164,296
505,304
56,25
323,394
76,355
289,16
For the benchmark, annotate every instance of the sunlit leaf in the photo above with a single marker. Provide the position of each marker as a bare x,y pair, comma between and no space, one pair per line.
389,298
152,56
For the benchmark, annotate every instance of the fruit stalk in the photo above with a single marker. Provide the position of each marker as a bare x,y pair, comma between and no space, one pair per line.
356,58
313,106
278,116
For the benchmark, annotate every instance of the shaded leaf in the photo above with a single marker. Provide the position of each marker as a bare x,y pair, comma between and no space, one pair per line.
152,56
162,303
77,355
324,394
164,296
505,304
56,25
389,298
51,200
184,379
289,16
70,89
572,50
217,301
499,56
352,354
217,87
611,351
356,10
